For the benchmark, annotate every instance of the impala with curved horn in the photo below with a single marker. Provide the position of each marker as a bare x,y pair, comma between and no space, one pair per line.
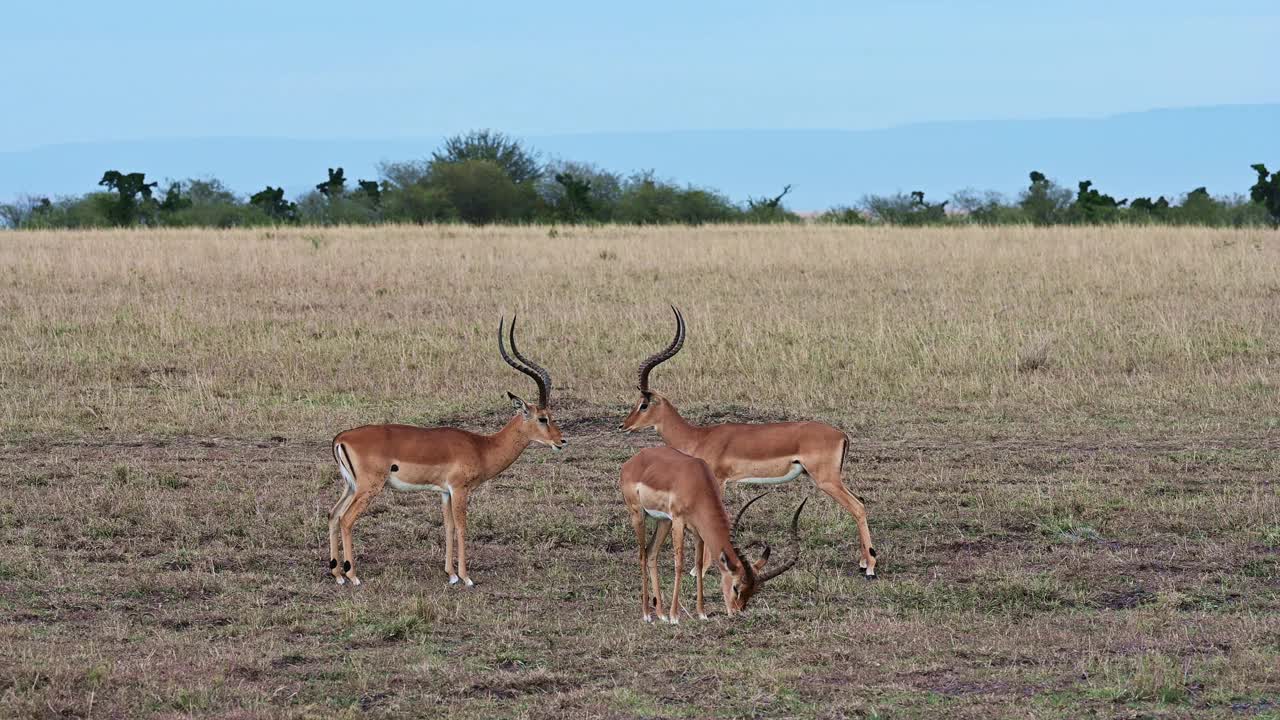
680,492
754,454
448,461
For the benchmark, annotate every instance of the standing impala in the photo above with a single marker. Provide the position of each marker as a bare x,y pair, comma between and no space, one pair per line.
680,491
754,454
448,461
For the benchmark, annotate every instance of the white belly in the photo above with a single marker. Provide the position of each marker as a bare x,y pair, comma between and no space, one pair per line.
397,484
657,514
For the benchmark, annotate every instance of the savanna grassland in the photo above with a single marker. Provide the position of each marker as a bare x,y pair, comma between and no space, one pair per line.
1068,441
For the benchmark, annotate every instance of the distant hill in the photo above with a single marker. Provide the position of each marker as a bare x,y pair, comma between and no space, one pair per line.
1150,153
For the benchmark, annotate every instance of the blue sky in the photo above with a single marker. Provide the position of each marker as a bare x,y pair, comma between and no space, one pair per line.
92,71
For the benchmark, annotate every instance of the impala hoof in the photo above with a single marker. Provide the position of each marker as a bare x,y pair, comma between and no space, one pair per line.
675,621
355,581
703,616
453,579
648,618
468,582
871,575
341,580
663,618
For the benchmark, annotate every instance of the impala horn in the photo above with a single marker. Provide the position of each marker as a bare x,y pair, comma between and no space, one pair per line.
534,370
795,538
733,530
655,360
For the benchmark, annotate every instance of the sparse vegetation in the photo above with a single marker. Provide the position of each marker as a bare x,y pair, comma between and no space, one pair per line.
1075,527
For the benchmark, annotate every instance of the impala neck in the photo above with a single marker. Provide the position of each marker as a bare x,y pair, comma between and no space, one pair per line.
503,447
677,432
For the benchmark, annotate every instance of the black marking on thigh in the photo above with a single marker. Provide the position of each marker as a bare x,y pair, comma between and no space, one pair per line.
394,467
346,566
333,563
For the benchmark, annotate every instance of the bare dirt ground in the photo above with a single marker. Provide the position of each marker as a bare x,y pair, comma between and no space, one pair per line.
1020,577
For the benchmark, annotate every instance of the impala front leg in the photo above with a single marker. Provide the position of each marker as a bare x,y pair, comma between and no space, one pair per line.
459,502
677,545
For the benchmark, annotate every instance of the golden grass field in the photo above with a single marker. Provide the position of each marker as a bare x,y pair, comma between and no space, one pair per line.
1067,439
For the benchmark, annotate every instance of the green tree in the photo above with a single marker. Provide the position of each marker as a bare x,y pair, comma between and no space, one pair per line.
575,201
899,209
133,193
272,203
481,192
770,210
520,165
335,186
371,192
1092,207
599,203
1266,191
986,208
1044,202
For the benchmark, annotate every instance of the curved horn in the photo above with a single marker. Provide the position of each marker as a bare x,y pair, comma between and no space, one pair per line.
503,351
795,538
543,378
733,530
657,359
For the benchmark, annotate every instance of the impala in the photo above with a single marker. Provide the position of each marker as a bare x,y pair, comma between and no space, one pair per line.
754,454
680,492
445,460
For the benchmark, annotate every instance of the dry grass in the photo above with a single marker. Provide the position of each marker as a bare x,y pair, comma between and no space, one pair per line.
1068,440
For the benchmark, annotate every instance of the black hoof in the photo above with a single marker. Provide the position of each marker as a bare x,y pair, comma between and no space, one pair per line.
869,577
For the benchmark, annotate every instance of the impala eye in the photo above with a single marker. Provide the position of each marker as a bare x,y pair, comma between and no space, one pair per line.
644,406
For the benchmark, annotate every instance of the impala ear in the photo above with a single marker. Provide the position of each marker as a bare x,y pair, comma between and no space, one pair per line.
519,404
758,565
725,564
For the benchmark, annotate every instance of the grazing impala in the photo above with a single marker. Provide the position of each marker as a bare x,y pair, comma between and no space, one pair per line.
680,491
444,460
754,454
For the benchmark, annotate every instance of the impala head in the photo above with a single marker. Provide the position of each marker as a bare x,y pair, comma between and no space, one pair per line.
649,410
537,422
741,577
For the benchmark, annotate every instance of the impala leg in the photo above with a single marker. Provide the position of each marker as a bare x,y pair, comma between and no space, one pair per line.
677,545
699,567
344,499
358,502
637,523
459,502
655,544
446,505
831,485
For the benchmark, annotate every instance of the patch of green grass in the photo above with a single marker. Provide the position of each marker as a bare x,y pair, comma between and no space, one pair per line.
1068,530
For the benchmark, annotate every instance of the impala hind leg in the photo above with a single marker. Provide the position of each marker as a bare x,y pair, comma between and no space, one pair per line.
637,523
356,505
699,569
829,482
655,544
446,504
459,502
344,501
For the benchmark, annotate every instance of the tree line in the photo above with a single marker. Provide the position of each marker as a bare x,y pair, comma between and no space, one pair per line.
484,177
